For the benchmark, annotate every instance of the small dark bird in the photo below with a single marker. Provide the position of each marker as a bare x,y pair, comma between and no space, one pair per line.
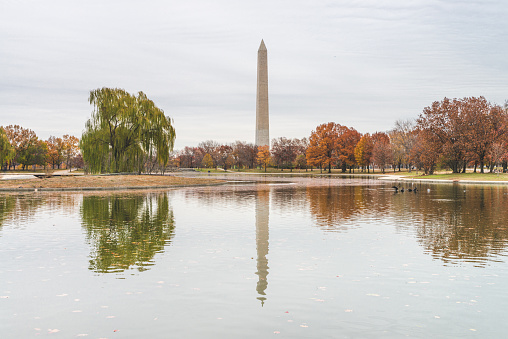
396,188
409,189
402,189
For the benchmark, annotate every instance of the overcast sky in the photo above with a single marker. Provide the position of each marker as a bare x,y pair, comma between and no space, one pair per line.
362,64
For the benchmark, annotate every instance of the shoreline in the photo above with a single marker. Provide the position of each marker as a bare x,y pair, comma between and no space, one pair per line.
80,183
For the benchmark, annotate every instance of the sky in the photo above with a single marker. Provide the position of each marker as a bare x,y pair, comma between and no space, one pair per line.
363,64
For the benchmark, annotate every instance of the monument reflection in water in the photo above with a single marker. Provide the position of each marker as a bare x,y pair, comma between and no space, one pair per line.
262,235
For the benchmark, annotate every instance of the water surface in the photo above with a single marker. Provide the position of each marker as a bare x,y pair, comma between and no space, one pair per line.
293,258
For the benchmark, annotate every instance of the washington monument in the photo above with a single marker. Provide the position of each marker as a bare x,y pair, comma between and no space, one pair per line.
262,120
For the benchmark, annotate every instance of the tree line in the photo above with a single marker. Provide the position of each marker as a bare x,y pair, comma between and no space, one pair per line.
452,133
129,133
22,147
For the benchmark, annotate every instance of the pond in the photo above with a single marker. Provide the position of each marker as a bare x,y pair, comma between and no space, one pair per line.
292,258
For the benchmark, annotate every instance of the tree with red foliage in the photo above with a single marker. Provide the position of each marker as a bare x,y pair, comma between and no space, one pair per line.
382,153
225,156
486,125
245,154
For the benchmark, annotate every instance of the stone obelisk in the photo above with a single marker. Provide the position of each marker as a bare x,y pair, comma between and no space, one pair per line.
262,121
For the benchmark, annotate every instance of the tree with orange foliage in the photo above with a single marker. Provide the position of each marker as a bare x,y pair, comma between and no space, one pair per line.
264,157
346,143
363,152
71,149
207,161
56,150
26,145
322,150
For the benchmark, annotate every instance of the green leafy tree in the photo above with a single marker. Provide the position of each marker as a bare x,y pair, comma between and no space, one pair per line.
6,150
123,131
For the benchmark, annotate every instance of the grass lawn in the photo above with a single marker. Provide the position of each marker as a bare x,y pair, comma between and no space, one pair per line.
274,170
466,176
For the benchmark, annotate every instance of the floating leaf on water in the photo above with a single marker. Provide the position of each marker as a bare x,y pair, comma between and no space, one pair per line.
303,325
373,294
55,330
276,332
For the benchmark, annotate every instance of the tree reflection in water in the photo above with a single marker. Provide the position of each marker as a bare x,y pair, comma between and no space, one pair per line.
17,209
454,223
459,223
336,208
126,231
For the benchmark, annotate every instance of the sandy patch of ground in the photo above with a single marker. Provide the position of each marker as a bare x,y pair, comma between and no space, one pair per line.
105,181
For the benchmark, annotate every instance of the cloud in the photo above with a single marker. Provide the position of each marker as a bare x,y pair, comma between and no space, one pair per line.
362,64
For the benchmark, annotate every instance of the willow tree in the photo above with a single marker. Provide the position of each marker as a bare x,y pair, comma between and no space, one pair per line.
6,150
123,131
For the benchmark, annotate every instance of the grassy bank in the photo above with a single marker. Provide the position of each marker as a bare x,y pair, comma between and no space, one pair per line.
298,171
465,176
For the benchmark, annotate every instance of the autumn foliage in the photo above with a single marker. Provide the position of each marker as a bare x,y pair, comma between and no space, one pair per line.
458,132
451,133
22,147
